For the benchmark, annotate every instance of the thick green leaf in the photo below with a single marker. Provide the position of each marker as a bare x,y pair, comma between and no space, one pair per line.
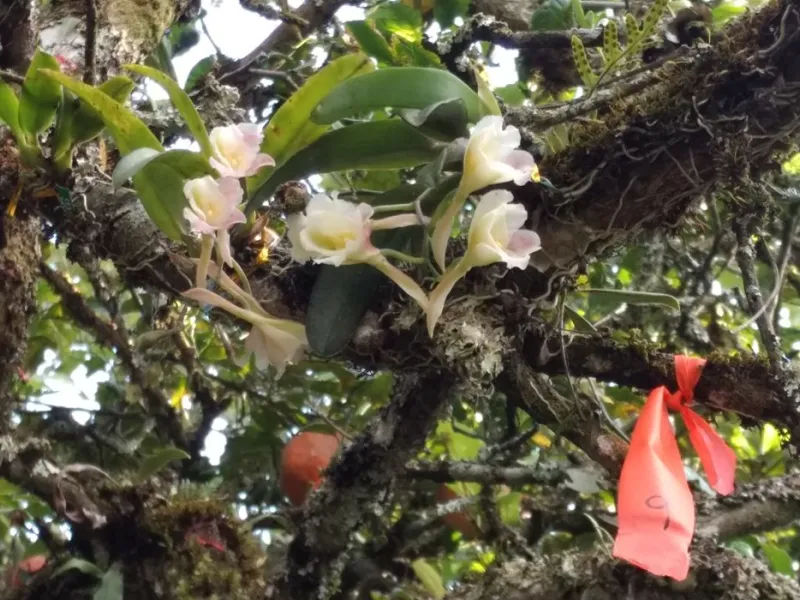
742,548
198,71
396,87
77,123
635,298
390,144
79,565
291,127
430,578
158,460
9,109
186,163
87,124
181,102
40,95
111,586
128,131
341,295
445,121
371,42
160,188
779,559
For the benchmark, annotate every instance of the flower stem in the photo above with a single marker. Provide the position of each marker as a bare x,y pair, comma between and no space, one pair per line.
393,208
443,225
207,244
388,252
240,272
408,285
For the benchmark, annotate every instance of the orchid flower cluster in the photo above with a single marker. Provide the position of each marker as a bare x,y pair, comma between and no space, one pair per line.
214,207
337,232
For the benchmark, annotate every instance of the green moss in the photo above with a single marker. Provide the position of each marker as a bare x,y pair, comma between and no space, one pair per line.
207,555
143,20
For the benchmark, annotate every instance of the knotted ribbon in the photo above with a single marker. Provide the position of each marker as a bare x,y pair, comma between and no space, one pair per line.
655,508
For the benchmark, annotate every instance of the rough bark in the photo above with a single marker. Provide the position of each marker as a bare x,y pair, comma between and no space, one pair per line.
716,575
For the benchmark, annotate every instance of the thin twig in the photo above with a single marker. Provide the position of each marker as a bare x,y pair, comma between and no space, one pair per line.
744,257
11,77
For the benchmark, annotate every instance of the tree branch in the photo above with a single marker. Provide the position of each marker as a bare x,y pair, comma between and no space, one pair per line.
109,335
487,474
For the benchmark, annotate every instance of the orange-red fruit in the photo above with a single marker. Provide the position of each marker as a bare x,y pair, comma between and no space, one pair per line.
302,462
30,565
460,521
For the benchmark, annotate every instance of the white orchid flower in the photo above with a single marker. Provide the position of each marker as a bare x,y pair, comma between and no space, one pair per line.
213,209
495,235
275,342
337,232
236,150
491,157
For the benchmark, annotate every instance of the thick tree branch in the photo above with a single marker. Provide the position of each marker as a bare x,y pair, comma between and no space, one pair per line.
356,481
716,573
488,474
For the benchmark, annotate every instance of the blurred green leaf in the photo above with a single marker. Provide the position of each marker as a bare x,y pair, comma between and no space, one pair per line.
9,109
619,297
395,18
78,564
371,42
158,460
552,15
111,586
444,121
779,560
446,11
741,548
430,578
201,68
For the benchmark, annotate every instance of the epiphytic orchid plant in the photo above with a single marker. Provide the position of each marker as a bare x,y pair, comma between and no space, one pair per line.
200,195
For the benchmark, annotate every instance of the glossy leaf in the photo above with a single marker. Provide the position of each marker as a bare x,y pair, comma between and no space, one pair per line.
111,586
128,131
158,460
160,188
291,127
430,578
445,121
393,87
186,163
390,144
182,103
446,11
370,41
40,95
635,298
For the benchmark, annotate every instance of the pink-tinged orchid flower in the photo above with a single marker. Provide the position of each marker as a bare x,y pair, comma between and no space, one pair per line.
236,150
275,342
214,209
491,157
495,235
336,232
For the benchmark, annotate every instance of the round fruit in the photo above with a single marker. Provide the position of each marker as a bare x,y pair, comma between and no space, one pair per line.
302,462
460,521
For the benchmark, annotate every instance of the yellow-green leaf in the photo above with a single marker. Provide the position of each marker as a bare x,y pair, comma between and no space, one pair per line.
182,103
430,578
128,131
291,127
40,95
